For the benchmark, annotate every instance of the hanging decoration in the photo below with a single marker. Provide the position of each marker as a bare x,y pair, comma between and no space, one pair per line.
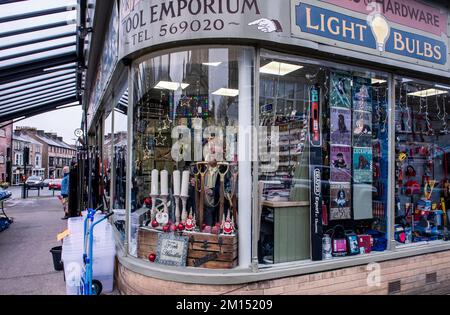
430,131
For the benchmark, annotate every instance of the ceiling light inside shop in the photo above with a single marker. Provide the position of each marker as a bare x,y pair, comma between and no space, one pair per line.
226,92
212,64
378,81
427,93
173,86
279,68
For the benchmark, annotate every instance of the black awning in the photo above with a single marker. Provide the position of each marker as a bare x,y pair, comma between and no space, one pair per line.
40,56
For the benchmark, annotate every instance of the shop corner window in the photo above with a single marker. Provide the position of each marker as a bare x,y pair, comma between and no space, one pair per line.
120,142
422,186
187,111
323,177
107,156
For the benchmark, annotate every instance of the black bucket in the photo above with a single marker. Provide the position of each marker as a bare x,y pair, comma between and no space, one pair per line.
56,253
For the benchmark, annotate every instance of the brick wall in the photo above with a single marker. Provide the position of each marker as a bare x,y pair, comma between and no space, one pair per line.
5,143
410,271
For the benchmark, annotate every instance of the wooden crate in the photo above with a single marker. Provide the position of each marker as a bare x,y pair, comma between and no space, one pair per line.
204,251
212,251
147,242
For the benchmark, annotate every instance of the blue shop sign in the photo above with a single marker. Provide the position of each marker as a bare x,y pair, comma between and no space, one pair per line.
379,35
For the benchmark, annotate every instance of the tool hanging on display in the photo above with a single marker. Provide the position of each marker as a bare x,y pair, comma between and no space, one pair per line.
203,169
234,170
223,170
196,172
315,162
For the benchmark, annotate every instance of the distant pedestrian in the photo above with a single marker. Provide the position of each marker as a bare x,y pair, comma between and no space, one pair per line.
65,192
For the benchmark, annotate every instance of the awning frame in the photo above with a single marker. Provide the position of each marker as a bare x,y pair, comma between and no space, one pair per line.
21,91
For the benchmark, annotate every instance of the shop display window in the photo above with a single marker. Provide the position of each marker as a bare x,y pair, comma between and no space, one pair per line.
119,180
107,156
422,161
331,122
184,180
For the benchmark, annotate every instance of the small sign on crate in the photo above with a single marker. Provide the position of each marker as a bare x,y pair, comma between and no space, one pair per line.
172,250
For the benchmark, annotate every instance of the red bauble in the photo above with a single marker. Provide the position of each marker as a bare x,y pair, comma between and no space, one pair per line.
152,257
173,228
203,226
181,227
148,201
215,230
155,223
166,228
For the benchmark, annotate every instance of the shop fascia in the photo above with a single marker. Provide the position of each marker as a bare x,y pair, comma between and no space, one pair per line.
374,32
173,9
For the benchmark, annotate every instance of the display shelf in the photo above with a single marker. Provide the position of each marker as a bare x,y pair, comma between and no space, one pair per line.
285,204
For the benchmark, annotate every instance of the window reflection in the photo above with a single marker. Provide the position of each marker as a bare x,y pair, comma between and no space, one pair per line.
351,134
422,161
185,159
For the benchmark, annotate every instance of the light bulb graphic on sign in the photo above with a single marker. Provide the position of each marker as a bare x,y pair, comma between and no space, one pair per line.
380,29
379,24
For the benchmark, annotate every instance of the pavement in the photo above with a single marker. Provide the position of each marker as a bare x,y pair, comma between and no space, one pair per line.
26,265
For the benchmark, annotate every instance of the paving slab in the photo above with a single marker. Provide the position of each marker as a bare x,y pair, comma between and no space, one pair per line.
26,265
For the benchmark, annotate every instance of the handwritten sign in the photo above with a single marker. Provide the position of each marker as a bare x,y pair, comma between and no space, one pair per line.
172,250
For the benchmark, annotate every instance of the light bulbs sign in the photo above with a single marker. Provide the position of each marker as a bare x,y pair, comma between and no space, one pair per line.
371,33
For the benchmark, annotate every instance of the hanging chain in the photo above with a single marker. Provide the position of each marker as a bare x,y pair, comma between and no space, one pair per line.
444,116
408,113
427,118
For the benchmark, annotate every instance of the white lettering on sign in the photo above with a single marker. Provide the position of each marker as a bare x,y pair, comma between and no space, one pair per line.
150,22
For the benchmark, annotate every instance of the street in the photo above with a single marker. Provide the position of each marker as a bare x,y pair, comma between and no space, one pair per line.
26,265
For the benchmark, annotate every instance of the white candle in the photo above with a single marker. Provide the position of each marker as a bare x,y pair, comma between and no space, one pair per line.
164,183
154,190
185,184
176,183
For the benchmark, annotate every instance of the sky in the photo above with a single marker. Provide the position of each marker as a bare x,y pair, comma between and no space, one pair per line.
62,121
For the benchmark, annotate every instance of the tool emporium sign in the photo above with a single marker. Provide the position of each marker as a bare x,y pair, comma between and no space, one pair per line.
386,27
402,30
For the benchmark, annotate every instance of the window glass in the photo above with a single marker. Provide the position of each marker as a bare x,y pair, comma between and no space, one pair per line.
120,154
120,133
323,177
107,155
422,161
185,122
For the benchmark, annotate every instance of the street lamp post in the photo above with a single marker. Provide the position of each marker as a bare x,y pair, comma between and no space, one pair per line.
26,157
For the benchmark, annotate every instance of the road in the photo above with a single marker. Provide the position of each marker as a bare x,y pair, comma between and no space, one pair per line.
26,265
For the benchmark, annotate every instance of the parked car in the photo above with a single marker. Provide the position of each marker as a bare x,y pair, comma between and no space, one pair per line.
55,184
35,181
47,181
